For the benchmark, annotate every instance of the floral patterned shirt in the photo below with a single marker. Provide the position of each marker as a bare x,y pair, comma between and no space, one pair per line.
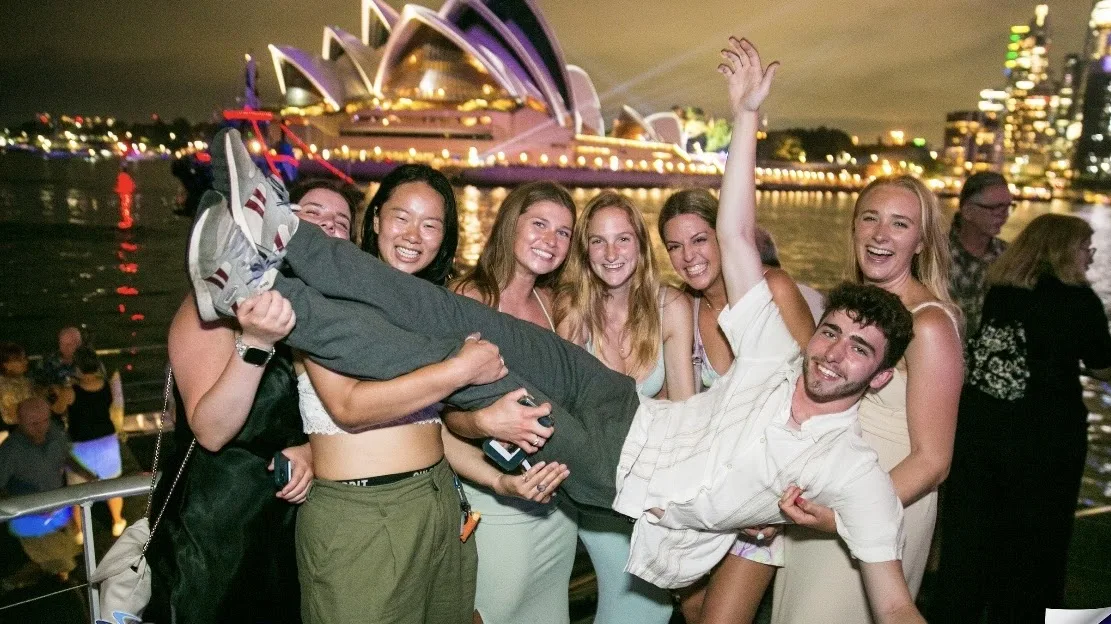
966,275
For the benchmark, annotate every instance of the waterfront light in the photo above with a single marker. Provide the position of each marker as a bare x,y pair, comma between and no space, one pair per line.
362,155
563,160
581,160
325,153
377,150
543,159
524,157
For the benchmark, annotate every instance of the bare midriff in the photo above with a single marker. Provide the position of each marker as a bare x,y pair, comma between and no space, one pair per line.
375,453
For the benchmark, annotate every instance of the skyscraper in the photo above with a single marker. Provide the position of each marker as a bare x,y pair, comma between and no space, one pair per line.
1026,124
1092,160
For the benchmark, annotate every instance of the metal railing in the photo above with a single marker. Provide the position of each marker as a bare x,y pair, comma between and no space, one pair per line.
84,495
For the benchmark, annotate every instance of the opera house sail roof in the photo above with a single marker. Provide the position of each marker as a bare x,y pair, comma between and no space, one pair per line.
476,82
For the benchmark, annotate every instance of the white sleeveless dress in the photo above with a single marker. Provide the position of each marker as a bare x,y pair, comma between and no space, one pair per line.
821,582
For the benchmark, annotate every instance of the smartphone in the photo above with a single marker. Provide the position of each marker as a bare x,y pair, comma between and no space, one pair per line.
507,456
283,470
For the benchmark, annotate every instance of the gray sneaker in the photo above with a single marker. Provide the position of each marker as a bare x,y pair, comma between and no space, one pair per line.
259,203
223,265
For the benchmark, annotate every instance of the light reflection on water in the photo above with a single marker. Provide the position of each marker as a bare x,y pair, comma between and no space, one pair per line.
63,261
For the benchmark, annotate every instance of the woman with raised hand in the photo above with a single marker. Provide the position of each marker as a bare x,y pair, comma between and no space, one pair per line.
611,302
898,245
1022,435
224,548
526,548
687,226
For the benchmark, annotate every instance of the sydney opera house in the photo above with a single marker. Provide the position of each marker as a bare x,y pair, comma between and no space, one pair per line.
479,84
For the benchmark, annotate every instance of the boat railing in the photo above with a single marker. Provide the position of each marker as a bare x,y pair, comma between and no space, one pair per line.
83,495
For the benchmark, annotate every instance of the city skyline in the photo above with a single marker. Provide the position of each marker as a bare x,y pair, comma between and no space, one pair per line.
883,66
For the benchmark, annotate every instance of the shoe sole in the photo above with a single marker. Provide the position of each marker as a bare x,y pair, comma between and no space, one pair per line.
205,306
235,200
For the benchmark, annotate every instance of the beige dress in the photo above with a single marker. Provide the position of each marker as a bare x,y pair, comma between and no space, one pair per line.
821,582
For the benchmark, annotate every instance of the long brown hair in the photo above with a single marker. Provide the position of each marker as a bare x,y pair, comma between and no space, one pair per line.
931,265
1047,246
496,264
581,294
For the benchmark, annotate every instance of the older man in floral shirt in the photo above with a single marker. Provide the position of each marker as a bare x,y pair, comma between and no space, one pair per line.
985,205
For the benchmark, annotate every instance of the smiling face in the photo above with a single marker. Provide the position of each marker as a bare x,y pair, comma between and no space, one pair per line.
987,211
328,210
542,237
410,227
612,246
844,359
692,245
887,234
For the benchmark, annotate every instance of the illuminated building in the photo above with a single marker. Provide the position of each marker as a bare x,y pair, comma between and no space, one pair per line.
1026,123
477,83
1092,158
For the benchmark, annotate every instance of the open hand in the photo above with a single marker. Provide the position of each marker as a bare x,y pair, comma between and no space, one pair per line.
538,484
749,82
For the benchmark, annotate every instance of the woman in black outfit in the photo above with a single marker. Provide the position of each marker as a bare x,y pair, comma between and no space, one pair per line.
1022,429
95,441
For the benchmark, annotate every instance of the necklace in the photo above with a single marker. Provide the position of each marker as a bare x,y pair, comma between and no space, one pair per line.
711,305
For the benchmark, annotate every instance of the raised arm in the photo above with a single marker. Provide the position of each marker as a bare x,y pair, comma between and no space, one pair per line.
355,404
749,84
935,374
216,385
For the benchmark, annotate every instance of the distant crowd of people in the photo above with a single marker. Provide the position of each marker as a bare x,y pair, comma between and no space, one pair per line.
61,424
705,441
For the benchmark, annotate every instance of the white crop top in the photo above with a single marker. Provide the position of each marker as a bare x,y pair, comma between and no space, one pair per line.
316,419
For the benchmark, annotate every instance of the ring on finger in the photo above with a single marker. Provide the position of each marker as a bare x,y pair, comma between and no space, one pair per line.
540,487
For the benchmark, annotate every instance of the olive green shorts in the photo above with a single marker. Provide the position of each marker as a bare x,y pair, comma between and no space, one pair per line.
385,553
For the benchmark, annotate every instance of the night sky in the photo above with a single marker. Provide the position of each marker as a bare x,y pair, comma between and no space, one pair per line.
861,65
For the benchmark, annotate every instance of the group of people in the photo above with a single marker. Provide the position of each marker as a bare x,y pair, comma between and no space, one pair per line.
702,440
60,427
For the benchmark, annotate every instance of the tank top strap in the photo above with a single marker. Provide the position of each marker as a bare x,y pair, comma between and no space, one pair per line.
944,308
544,309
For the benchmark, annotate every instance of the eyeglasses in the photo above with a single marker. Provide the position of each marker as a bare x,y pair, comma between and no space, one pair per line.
1001,207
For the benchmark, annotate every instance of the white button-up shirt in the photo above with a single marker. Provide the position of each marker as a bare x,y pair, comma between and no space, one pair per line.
719,461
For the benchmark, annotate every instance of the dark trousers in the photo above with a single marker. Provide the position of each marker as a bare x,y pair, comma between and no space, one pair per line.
1007,518
361,318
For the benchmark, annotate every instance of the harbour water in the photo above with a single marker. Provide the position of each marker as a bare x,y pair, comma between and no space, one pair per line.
65,260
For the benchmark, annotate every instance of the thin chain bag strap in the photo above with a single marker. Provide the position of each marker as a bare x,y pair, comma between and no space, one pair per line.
166,394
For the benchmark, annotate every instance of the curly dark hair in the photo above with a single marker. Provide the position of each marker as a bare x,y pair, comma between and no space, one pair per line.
444,263
872,305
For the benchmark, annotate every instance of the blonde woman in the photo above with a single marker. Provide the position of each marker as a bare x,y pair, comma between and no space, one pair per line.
897,245
1023,432
611,302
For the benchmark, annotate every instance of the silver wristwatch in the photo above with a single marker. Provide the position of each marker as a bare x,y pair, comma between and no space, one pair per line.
252,355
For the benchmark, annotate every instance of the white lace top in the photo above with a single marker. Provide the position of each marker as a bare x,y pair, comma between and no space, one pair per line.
316,419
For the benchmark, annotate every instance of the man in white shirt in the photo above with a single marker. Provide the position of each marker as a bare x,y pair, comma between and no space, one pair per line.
692,473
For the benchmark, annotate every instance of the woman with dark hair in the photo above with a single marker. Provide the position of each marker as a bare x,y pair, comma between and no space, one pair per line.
383,491
1022,430
388,227
526,548
687,227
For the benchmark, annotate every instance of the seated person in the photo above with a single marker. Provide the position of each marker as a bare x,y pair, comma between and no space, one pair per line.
34,459
777,424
